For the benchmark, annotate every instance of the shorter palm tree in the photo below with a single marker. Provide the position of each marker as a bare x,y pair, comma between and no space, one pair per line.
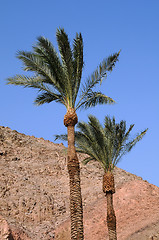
107,145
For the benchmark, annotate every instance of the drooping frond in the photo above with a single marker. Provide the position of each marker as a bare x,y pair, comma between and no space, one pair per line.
45,50
25,81
87,160
107,144
34,63
62,137
48,97
48,93
129,145
137,139
96,131
58,77
97,76
94,98
86,144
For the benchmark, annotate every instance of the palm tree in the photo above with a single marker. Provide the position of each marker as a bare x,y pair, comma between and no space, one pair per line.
107,145
58,78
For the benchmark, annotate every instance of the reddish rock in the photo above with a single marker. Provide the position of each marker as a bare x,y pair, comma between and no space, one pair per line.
4,229
136,205
11,233
34,194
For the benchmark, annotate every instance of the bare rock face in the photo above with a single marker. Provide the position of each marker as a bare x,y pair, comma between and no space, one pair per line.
11,233
34,195
136,206
4,229
28,183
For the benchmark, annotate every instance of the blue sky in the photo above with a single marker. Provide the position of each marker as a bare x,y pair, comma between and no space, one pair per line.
106,27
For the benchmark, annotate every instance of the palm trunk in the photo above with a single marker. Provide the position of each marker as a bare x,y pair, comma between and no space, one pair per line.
109,190
76,209
111,218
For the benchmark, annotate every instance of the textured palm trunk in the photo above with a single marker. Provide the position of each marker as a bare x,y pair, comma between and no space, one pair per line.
111,218
109,190
76,209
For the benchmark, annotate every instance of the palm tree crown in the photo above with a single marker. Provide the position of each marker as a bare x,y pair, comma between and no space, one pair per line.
107,144
58,78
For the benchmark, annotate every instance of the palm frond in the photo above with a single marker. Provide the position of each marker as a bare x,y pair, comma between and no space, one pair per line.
77,63
59,76
61,137
67,60
48,97
90,140
65,50
46,51
138,137
85,140
26,81
48,94
97,131
84,129
106,144
94,98
87,160
110,62
34,63
98,75
127,145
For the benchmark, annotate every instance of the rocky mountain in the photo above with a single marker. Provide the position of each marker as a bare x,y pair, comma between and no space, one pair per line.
34,195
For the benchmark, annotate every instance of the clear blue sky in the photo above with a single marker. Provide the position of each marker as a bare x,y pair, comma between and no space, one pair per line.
107,27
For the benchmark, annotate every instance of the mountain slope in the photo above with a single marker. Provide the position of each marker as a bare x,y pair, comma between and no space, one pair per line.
34,193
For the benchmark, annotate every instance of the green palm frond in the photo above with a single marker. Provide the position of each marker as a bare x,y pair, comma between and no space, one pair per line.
97,76
127,147
32,62
138,137
94,98
97,131
86,145
47,98
107,144
77,63
25,81
65,51
35,64
87,160
48,94
67,60
58,76
46,51
62,137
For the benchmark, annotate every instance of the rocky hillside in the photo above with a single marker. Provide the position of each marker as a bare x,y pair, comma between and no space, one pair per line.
34,194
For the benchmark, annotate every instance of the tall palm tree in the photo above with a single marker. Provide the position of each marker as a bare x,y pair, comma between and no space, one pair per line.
107,145
58,78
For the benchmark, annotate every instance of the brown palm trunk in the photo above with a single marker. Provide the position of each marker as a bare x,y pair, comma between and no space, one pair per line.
109,190
76,209
111,218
